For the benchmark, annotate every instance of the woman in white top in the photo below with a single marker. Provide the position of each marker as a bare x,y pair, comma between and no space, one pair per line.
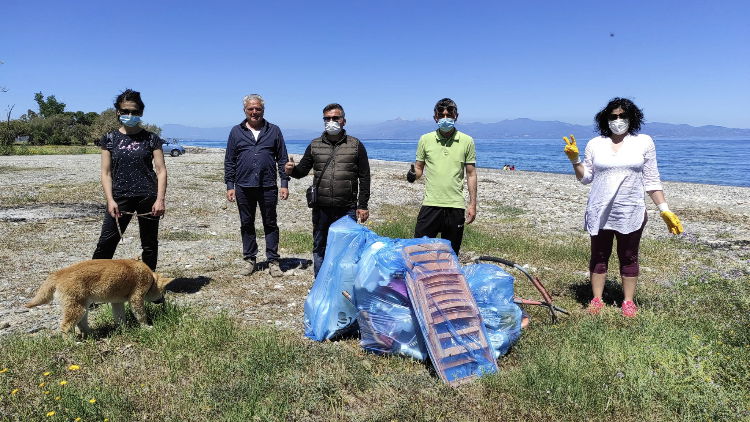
620,165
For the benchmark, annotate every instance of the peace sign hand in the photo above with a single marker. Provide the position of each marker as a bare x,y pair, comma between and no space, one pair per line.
571,149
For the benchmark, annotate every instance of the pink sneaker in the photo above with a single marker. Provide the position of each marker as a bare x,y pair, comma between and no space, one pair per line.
595,306
629,309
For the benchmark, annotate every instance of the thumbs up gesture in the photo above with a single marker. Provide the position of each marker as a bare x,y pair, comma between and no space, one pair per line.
289,166
411,175
571,149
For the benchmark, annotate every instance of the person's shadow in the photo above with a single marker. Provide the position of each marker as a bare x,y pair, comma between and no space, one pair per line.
188,284
613,293
286,264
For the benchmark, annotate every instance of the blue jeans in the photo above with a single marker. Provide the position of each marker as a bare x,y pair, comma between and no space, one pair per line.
322,218
266,199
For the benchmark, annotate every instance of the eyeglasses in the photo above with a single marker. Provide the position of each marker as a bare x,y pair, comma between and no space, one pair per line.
125,111
617,116
251,109
441,109
332,118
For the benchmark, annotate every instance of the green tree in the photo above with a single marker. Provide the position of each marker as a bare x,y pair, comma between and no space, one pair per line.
107,121
50,106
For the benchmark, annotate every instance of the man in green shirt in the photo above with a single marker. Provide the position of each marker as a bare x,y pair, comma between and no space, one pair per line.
444,157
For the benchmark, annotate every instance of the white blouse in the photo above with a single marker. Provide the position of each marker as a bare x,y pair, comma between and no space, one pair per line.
619,181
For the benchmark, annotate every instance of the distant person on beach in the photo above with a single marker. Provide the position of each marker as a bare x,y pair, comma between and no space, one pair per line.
445,156
255,153
134,180
341,176
621,166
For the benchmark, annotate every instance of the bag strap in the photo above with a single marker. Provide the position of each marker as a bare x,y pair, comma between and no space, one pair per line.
333,154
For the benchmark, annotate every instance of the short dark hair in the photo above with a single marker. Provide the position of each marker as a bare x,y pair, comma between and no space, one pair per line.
129,95
633,113
445,102
334,106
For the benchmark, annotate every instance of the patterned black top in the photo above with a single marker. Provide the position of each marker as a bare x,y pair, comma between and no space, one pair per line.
132,165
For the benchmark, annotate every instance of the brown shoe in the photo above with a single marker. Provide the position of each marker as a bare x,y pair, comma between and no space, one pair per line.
249,267
274,269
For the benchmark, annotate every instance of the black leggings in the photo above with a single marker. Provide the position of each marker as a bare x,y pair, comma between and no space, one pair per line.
147,225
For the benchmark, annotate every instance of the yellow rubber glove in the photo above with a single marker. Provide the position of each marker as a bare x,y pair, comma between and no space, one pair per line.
571,149
673,223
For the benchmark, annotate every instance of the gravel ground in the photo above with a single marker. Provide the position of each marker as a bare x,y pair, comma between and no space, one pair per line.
51,209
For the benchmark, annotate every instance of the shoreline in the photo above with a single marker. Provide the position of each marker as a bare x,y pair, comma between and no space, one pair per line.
205,150
51,210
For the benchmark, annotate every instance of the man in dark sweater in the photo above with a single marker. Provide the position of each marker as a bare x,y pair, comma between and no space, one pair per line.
255,152
343,186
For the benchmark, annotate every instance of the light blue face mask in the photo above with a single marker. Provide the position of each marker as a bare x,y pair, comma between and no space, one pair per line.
130,120
446,124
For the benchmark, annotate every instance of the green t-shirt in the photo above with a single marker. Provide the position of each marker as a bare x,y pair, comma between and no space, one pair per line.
445,159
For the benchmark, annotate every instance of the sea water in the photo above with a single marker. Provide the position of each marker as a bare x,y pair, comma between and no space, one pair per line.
718,162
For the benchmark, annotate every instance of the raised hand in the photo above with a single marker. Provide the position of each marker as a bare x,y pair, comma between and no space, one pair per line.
673,223
411,175
571,149
289,166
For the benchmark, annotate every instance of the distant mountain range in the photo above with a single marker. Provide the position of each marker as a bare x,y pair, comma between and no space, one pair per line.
513,128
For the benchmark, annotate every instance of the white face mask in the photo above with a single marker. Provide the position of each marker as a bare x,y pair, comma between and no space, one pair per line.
619,126
333,128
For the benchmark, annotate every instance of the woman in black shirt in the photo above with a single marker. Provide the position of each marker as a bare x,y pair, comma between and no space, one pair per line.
134,180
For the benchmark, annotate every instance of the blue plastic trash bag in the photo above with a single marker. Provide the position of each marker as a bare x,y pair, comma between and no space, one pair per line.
492,288
387,323
328,312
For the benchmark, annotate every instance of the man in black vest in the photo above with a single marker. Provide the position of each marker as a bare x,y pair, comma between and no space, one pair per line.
343,185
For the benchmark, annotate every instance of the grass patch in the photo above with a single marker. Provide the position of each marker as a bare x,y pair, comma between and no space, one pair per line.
51,149
213,177
296,242
502,210
183,235
86,192
667,364
10,169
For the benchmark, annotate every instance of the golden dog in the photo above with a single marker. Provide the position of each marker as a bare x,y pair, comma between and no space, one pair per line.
114,281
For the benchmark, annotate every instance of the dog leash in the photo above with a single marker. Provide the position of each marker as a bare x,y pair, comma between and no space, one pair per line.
133,213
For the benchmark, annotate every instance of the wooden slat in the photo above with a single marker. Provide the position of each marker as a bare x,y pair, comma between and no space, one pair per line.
461,333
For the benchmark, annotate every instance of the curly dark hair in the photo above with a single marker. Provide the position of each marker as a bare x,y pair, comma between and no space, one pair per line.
635,116
129,95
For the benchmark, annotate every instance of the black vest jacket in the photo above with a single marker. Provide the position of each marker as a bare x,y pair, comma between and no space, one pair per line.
338,185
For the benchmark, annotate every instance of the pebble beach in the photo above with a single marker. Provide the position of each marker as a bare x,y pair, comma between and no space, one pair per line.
51,209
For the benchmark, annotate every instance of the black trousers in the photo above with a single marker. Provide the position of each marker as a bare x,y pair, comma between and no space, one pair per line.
449,222
248,200
148,226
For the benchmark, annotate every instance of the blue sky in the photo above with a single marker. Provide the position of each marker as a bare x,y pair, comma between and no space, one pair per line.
681,61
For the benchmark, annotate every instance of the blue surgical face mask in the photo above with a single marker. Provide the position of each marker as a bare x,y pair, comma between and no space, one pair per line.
446,124
130,120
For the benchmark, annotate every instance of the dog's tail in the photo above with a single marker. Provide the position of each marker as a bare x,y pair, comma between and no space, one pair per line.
45,293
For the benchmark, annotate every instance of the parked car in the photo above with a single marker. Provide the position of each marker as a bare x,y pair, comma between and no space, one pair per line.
172,148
